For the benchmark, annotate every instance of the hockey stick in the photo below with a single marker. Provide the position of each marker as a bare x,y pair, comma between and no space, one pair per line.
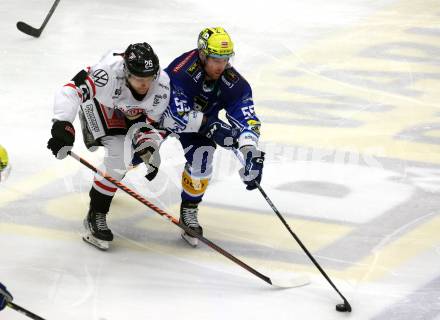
345,307
24,27
23,311
282,283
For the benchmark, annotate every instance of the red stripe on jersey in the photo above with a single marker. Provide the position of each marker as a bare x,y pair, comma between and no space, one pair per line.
184,61
149,120
75,88
163,134
103,186
92,84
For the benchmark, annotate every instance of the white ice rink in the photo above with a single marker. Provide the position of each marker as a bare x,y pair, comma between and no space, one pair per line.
348,92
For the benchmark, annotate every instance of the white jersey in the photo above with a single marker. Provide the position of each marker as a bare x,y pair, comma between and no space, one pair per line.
106,82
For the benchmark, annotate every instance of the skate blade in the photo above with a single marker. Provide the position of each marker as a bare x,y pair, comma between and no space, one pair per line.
193,242
100,244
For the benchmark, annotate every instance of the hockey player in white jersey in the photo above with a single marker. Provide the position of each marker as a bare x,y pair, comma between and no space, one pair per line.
120,101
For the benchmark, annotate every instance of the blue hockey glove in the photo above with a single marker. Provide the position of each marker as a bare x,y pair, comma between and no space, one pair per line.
252,171
5,296
220,132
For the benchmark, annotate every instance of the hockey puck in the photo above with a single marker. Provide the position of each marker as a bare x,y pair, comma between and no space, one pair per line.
342,307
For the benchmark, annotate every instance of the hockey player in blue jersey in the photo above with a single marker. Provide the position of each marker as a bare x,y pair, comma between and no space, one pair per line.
203,82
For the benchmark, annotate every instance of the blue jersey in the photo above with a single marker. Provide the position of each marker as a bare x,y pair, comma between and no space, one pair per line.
192,95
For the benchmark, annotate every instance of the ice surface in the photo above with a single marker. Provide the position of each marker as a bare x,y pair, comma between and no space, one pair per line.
348,94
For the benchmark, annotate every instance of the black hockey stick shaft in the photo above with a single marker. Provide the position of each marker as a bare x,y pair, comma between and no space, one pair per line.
298,240
23,311
272,205
24,27
156,209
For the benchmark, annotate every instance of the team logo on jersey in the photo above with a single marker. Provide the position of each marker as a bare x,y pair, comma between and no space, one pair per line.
100,77
230,77
131,112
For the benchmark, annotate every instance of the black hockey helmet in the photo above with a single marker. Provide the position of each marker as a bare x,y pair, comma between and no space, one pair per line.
140,60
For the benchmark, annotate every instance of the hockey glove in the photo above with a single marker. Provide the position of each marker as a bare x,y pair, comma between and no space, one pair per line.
252,171
5,296
220,132
146,146
63,137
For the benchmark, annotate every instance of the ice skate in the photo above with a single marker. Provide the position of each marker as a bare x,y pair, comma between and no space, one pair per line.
97,232
188,217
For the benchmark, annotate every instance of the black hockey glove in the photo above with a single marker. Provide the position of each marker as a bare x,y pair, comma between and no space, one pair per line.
220,132
63,137
253,169
5,296
146,145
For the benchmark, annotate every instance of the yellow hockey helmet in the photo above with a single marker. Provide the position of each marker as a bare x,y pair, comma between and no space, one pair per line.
4,164
215,42
4,159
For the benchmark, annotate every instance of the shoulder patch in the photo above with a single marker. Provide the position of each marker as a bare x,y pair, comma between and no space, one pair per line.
100,77
230,78
231,75
192,68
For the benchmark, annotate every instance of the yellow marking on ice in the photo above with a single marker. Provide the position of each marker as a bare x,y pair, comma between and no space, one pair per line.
372,268
34,231
123,206
365,142
265,233
254,228
391,256
377,132
434,134
19,190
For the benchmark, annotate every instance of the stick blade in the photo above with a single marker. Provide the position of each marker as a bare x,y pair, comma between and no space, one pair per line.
29,30
298,281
